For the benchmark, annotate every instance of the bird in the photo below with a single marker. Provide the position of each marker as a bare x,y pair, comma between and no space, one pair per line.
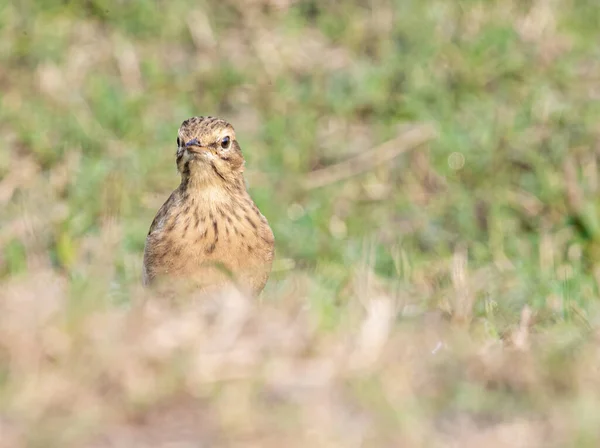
209,233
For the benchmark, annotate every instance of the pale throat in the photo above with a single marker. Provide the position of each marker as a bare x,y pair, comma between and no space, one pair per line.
204,186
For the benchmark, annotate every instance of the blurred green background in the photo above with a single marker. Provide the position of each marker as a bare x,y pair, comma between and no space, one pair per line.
496,215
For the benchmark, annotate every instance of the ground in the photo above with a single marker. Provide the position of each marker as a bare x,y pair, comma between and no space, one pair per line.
440,292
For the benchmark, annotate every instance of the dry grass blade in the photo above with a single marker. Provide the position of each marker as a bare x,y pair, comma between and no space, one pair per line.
414,137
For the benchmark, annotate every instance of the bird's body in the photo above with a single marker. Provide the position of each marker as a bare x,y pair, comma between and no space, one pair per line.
209,232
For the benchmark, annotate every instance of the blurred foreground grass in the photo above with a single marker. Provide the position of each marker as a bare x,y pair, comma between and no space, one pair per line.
447,298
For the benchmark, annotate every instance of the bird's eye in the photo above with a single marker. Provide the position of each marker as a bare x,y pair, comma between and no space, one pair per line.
225,142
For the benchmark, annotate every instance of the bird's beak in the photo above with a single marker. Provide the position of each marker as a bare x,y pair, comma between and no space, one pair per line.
197,149
194,146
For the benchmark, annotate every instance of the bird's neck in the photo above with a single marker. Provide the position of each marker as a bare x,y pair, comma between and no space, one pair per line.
212,189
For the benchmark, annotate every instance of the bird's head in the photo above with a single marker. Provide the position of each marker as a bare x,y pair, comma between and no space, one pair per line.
207,151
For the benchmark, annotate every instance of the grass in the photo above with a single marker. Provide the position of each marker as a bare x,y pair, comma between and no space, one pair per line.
446,298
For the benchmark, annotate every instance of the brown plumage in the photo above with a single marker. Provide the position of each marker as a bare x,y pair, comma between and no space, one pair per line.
209,232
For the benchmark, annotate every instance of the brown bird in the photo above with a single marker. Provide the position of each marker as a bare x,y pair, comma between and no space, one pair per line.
209,232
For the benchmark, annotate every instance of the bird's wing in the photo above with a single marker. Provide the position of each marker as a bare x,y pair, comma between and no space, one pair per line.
163,213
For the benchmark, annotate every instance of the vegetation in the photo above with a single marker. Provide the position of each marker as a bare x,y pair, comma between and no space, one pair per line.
448,297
